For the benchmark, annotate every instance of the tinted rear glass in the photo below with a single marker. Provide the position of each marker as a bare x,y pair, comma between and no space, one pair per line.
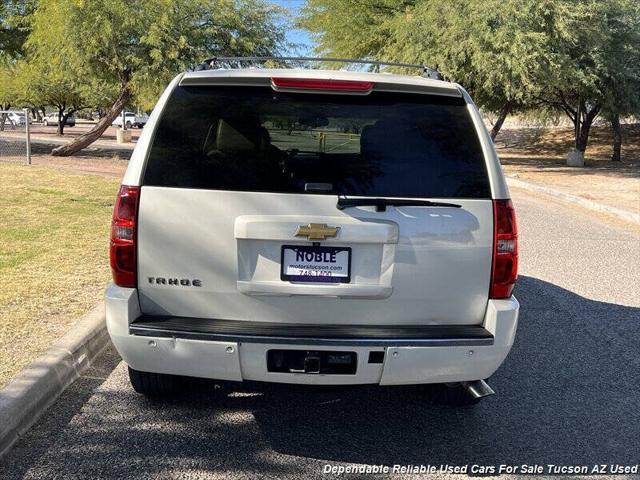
255,139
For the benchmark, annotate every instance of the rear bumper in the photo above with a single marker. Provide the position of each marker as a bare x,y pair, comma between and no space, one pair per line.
237,351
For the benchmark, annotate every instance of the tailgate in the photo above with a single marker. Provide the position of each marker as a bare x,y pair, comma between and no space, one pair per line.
238,216
409,265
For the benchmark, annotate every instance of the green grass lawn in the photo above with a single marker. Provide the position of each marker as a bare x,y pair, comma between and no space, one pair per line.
54,259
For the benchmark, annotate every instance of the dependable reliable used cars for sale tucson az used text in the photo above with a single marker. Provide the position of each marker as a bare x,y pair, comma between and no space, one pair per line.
314,227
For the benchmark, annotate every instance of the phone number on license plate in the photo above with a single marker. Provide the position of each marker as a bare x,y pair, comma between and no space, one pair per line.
319,264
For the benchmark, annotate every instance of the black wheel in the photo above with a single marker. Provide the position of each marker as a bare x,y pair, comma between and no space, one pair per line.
153,384
451,394
128,124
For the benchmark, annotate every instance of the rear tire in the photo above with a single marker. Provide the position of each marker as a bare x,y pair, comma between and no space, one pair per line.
153,384
451,394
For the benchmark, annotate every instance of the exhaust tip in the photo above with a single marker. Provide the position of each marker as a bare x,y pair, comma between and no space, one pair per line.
478,389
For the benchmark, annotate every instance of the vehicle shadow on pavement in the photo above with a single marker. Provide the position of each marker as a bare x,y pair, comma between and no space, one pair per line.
568,394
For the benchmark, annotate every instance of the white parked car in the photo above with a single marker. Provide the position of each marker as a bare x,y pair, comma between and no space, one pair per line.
255,239
16,118
53,119
131,120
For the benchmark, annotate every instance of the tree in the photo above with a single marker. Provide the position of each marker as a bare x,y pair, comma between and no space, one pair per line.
14,26
577,57
8,88
14,16
351,28
7,84
495,48
492,47
622,97
137,47
597,69
55,83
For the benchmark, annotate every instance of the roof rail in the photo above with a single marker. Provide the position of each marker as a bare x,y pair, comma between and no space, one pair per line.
427,72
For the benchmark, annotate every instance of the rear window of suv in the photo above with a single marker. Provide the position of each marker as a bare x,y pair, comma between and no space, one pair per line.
255,139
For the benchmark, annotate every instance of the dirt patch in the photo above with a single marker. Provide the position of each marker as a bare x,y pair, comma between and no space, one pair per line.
555,142
103,162
106,166
70,133
539,156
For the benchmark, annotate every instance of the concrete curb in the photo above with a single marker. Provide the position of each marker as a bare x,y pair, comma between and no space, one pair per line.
38,386
583,202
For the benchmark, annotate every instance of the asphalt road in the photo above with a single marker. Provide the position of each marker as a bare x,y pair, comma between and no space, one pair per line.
567,395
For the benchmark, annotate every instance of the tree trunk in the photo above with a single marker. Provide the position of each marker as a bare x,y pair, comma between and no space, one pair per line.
504,111
584,126
61,122
577,123
583,120
582,140
3,120
617,138
65,117
96,132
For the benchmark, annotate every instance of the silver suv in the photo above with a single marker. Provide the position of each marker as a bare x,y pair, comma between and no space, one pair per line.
314,227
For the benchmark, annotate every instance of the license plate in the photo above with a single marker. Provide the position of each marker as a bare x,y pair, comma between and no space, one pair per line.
301,263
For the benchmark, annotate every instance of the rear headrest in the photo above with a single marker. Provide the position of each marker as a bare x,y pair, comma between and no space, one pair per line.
392,138
229,139
365,137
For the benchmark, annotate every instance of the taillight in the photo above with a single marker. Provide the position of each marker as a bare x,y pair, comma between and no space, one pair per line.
504,271
123,237
347,86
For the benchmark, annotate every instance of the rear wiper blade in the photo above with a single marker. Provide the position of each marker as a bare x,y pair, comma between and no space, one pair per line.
382,203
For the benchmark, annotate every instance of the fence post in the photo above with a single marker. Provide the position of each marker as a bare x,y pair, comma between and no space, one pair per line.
27,132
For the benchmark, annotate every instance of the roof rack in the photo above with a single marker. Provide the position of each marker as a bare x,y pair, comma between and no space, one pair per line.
427,72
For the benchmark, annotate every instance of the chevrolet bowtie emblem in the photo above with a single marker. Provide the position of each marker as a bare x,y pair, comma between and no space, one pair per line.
317,231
